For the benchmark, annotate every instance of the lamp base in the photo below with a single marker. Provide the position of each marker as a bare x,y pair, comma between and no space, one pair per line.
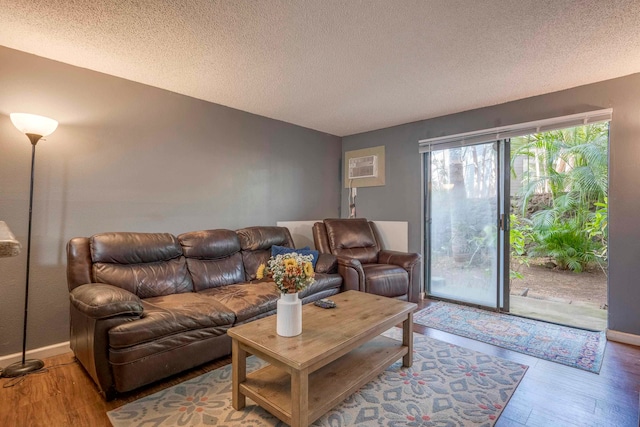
18,369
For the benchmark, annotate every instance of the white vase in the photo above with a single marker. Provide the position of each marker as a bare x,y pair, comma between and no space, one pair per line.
289,315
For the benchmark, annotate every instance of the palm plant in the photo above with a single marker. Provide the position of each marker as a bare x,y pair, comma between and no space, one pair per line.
566,160
571,167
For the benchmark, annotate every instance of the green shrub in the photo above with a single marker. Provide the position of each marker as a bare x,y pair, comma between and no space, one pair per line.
519,237
570,247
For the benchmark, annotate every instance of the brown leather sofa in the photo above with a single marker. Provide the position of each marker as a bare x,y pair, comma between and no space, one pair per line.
145,306
362,261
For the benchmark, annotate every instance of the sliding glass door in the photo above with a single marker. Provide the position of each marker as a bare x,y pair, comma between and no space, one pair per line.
465,237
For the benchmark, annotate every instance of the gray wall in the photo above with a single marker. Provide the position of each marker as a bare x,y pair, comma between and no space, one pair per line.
400,198
129,157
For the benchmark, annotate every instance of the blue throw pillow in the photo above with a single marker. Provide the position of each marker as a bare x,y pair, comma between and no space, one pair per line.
281,250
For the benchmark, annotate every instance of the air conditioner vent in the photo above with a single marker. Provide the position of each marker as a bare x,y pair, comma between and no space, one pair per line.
363,167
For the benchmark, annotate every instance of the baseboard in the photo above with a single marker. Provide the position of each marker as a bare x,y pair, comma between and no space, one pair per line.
623,337
37,353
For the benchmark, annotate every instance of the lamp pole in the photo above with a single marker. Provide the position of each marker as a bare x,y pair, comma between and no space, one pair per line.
25,366
35,127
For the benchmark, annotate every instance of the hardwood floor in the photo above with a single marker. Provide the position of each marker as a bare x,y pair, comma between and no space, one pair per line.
549,395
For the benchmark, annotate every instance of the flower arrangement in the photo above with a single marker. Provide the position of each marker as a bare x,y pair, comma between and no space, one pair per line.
291,272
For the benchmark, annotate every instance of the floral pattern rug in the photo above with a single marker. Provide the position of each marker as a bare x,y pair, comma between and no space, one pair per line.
447,386
573,347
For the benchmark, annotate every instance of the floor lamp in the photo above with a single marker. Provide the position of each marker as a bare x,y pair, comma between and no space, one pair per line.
35,127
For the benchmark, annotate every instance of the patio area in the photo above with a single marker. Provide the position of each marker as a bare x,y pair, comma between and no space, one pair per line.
560,296
578,314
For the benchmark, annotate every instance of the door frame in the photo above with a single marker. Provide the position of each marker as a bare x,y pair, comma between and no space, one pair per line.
502,223
493,134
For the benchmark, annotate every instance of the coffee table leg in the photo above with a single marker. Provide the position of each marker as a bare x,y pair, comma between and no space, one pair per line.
300,398
407,340
239,374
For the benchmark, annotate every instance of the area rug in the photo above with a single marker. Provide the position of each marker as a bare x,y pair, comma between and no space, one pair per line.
562,344
447,386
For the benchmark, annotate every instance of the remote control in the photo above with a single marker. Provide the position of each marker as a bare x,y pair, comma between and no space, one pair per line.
325,303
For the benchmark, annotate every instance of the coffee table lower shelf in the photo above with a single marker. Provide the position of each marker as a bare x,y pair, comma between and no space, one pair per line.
270,387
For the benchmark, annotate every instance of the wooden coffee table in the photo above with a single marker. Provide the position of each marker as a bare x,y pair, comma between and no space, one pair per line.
340,349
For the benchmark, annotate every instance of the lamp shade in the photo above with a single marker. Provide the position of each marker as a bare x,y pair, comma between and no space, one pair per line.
33,124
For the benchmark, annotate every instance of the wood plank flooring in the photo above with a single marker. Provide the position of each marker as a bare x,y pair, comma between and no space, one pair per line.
549,395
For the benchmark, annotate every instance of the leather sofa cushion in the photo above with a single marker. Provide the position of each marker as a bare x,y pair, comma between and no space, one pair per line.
146,280
146,264
257,238
256,245
212,273
143,350
352,238
213,258
251,260
134,248
246,300
169,315
209,244
386,279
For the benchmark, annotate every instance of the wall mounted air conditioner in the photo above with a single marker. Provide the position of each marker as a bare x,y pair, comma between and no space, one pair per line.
363,167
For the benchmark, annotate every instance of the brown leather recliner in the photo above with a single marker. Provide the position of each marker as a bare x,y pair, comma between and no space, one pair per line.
362,261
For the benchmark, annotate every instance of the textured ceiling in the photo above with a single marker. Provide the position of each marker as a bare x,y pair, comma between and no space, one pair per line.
341,67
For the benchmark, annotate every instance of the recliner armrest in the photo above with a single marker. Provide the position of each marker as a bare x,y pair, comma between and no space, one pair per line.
327,263
102,301
349,262
352,274
409,261
406,260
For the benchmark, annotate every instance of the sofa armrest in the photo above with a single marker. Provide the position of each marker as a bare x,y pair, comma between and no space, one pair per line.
102,301
352,274
95,309
327,263
409,261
